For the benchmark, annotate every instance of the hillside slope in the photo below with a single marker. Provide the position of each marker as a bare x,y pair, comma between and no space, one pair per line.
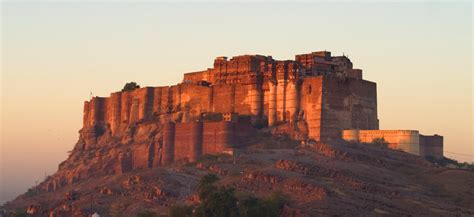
324,179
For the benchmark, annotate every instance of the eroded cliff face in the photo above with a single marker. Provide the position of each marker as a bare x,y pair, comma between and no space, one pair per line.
99,152
147,144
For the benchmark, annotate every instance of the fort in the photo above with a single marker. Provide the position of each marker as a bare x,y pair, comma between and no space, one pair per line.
316,97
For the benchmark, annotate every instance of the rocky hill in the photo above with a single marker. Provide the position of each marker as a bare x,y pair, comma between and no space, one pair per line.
319,179
254,121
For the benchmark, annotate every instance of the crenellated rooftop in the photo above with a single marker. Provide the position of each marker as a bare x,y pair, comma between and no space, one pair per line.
256,69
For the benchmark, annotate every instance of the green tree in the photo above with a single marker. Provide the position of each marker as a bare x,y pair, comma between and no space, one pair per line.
130,86
215,202
206,185
146,213
252,207
222,202
379,142
180,211
218,203
18,213
274,203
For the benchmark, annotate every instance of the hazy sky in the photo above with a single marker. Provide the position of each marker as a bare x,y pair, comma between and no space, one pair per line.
55,54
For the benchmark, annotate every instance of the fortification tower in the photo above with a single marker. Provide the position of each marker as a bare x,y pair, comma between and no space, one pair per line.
322,93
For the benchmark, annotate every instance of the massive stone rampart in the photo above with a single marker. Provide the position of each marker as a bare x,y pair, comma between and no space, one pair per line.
316,89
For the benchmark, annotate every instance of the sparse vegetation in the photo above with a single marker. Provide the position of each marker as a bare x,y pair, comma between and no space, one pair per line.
18,213
130,86
274,203
178,210
147,213
450,162
222,201
379,142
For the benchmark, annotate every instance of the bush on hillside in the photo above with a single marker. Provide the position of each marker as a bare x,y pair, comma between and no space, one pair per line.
178,210
379,142
222,201
147,213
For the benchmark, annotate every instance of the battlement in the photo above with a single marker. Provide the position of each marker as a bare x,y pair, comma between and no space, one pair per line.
257,69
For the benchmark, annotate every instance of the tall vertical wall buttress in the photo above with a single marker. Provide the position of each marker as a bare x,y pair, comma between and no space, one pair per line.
188,141
115,111
157,97
97,111
134,110
292,100
126,103
85,118
256,100
225,136
210,93
311,93
272,105
145,103
93,111
281,100
167,153
196,141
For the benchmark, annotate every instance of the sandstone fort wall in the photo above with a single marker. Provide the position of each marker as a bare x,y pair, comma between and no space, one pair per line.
406,140
186,142
431,146
318,91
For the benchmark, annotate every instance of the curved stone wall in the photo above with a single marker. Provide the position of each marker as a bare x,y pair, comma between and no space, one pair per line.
350,135
405,140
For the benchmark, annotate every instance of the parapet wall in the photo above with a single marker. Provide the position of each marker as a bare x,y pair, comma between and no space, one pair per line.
431,146
405,140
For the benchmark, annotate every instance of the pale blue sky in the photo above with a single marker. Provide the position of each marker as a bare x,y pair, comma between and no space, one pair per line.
54,54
